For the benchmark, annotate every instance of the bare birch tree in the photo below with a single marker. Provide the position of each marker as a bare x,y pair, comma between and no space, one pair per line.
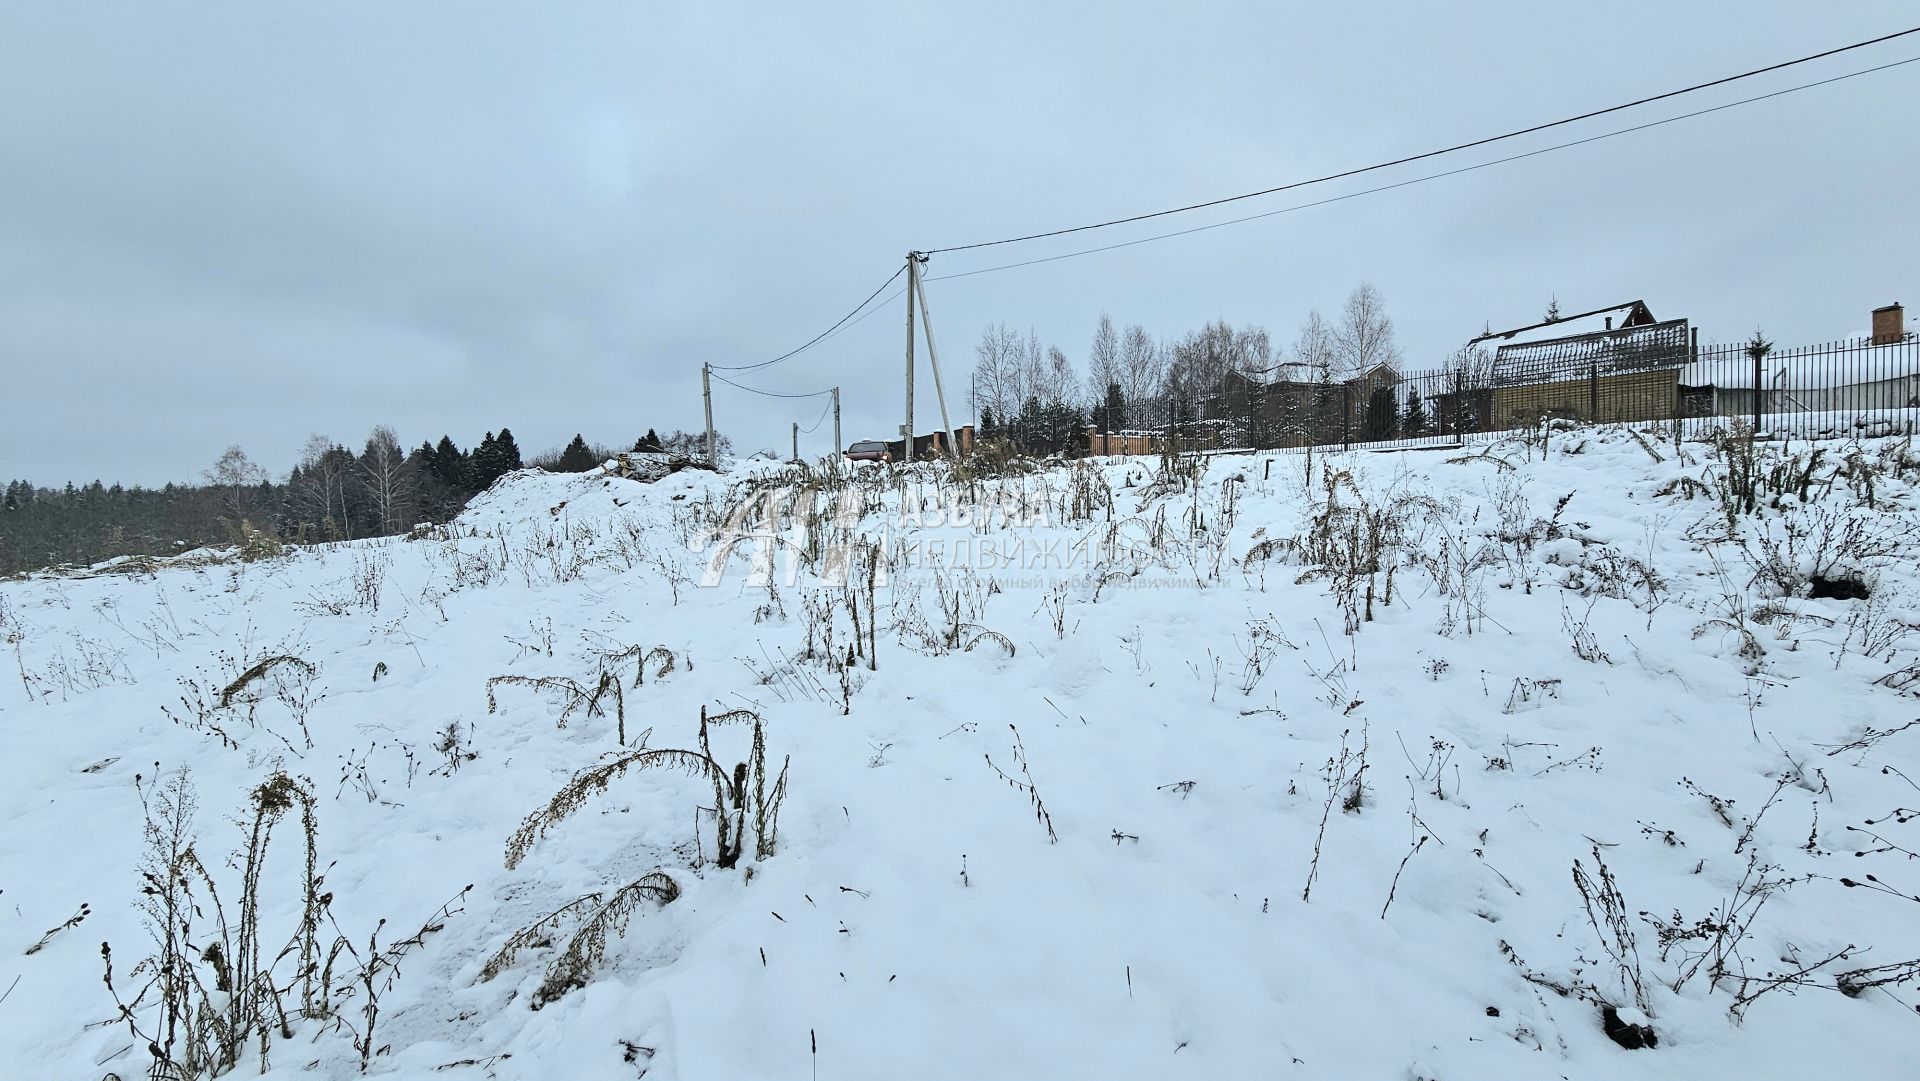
320,487
999,379
1363,338
234,477
1314,350
1143,370
1469,386
1033,370
1200,362
1103,360
386,478
1057,382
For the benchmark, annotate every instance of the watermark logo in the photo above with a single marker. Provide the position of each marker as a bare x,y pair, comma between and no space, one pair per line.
777,534
783,531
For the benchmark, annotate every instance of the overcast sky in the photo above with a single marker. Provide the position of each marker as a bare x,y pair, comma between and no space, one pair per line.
251,222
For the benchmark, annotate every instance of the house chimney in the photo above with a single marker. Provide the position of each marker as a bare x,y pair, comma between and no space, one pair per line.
1889,324
1609,322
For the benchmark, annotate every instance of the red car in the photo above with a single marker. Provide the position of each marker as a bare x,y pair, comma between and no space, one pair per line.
869,450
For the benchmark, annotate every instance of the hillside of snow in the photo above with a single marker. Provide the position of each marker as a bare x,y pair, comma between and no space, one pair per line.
1412,765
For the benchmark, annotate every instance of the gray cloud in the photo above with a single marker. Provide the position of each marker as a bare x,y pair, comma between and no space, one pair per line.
246,223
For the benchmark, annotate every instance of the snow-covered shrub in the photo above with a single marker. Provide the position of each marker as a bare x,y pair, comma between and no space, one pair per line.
221,704
741,796
1357,543
1345,774
1088,494
216,988
455,744
1789,552
1026,785
369,576
588,944
256,546
662,659
574,696
1607,914
1733,616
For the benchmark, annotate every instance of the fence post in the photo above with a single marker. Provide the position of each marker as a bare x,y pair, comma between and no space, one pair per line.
1346,415
1679,404
1757,361
1593,393
1783,401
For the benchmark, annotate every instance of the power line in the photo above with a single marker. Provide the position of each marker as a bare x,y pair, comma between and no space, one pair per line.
880,307
1433,153
769,393
817,339
1420,179
819,420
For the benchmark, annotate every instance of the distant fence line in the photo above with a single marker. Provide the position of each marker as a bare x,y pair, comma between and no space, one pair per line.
1829,390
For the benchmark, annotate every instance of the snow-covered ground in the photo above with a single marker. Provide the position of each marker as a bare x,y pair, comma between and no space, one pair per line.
1249,773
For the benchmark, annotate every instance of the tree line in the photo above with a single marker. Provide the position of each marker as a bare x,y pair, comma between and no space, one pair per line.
1037,398
334,492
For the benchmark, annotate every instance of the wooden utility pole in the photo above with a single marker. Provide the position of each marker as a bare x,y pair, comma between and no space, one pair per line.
933,357
906,430
796,440
706,393
837,445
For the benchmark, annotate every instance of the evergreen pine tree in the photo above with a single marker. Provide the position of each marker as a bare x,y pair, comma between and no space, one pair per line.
1414,419
1028,429
421,461
1110,415
450,466
426,493
1379,420
509,453
1260,434
648,444
1076,442
576,458
483,465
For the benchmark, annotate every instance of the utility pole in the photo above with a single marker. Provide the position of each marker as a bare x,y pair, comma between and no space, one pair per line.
933,357
837,445
706,393
906,430
796,440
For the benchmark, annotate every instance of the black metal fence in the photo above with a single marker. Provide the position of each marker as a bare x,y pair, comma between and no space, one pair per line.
1833,390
